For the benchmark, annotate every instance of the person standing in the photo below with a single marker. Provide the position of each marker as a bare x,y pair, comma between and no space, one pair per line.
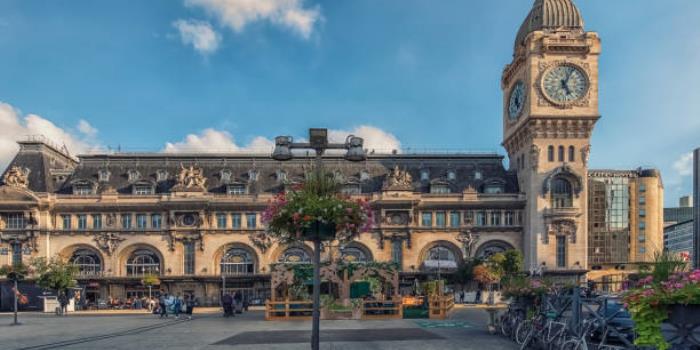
226,301
237,300
177,306
161,305
461,297
63,302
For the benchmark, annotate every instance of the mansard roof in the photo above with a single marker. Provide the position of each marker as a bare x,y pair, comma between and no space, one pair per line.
376,169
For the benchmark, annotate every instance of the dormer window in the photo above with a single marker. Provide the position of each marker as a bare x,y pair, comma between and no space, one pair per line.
143,189
133,175
103,175
493,188
424,175
225,176
236,189
351,189
83,189
477,175
364,175
161,175
252,175
451,175
439,189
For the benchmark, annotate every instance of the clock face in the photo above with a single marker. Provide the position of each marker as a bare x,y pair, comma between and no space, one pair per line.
517,100
564,84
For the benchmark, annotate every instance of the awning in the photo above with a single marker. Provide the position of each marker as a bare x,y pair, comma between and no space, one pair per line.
440,264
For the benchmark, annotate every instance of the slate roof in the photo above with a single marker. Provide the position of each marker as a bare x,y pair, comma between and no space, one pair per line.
550,15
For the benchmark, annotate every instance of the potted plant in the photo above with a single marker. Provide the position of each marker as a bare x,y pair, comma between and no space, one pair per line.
670,293
357,304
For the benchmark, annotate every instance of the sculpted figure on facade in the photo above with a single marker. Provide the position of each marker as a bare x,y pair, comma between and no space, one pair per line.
108,241
563,228
585,154
260,240
191,178
17,177
468,240
534,156
398,180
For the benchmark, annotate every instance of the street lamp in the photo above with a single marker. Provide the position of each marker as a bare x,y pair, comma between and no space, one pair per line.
318,141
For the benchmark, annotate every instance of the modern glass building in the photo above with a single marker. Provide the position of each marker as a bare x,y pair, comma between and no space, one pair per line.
678,238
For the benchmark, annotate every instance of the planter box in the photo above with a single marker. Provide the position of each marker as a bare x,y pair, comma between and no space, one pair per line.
337,315
684,314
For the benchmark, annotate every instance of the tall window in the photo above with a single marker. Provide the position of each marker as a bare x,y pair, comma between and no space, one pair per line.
236,220
561,153
97,221
141,221
237,261
642,188
126,221
562,193
16,253
480,218
561,251
440,219
454,219
508,218
642,200
66,222
156,221
15,221
572,155
427,219
397,252
87,262
496,218
189,258
550,153
251,220
221,221
82,222
143,262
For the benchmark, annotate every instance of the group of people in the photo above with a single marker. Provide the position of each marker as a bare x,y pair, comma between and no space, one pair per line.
176,305
477,297
133,303
231,302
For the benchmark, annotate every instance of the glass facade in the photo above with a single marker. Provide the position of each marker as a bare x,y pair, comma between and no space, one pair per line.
678,238
608,220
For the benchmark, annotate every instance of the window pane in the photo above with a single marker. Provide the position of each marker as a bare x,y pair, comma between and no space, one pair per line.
97,221
126,221
454,219
156,221
427,219
440,219
82,222
221,221
141,221
66,222
236,218
251,220
189,258
561,251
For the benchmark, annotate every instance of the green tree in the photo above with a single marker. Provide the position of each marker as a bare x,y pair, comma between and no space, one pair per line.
56,273
465,272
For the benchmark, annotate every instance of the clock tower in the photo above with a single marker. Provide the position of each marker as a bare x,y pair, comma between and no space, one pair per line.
550,99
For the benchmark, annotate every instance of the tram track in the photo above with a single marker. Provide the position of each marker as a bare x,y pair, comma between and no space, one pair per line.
76,341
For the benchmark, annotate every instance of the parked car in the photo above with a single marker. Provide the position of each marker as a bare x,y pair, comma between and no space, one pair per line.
613,310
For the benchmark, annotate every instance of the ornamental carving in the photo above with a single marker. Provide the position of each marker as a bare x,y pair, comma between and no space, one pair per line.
17,177
260,240
567,173
534,156
184,237
191,178
562,228
108,242
27,239
398,180
468,240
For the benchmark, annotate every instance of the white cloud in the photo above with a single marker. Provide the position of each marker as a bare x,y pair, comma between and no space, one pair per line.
86,128
203,38
14,127
684,164
217,141
236,14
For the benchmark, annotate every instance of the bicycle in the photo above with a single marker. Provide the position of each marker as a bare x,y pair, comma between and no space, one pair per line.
510,320
542,329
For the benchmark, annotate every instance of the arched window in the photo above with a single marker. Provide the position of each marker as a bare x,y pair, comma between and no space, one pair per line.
237,261
143,262
440,257
562,193
295,256
87,261
550,153
354,255
572,156
561,153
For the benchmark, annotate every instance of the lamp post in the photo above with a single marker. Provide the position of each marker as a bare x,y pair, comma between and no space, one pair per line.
15,277
318,141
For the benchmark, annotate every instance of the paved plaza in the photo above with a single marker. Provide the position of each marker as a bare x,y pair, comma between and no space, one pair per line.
465,329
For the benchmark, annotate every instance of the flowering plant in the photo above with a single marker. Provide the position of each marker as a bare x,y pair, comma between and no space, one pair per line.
525,287
290,214
648,302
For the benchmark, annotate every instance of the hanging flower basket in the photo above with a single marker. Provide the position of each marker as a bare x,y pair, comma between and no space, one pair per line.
684,314
319,230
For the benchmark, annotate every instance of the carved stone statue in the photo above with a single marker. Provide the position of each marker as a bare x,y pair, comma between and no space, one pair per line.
191,178
563,228
260,240
468,240
585,154
108,241
17,177
398,180
534,157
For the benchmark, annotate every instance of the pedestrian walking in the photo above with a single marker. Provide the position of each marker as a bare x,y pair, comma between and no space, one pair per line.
162,305
226,301
177,306
461,297
237,300
63,303
190,303
478,297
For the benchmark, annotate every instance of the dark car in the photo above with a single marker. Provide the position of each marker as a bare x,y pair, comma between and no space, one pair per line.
618,318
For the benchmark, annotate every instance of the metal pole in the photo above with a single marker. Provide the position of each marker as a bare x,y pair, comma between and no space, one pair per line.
315,330
15,293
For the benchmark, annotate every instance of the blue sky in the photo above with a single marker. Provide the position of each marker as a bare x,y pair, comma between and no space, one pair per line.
215,74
